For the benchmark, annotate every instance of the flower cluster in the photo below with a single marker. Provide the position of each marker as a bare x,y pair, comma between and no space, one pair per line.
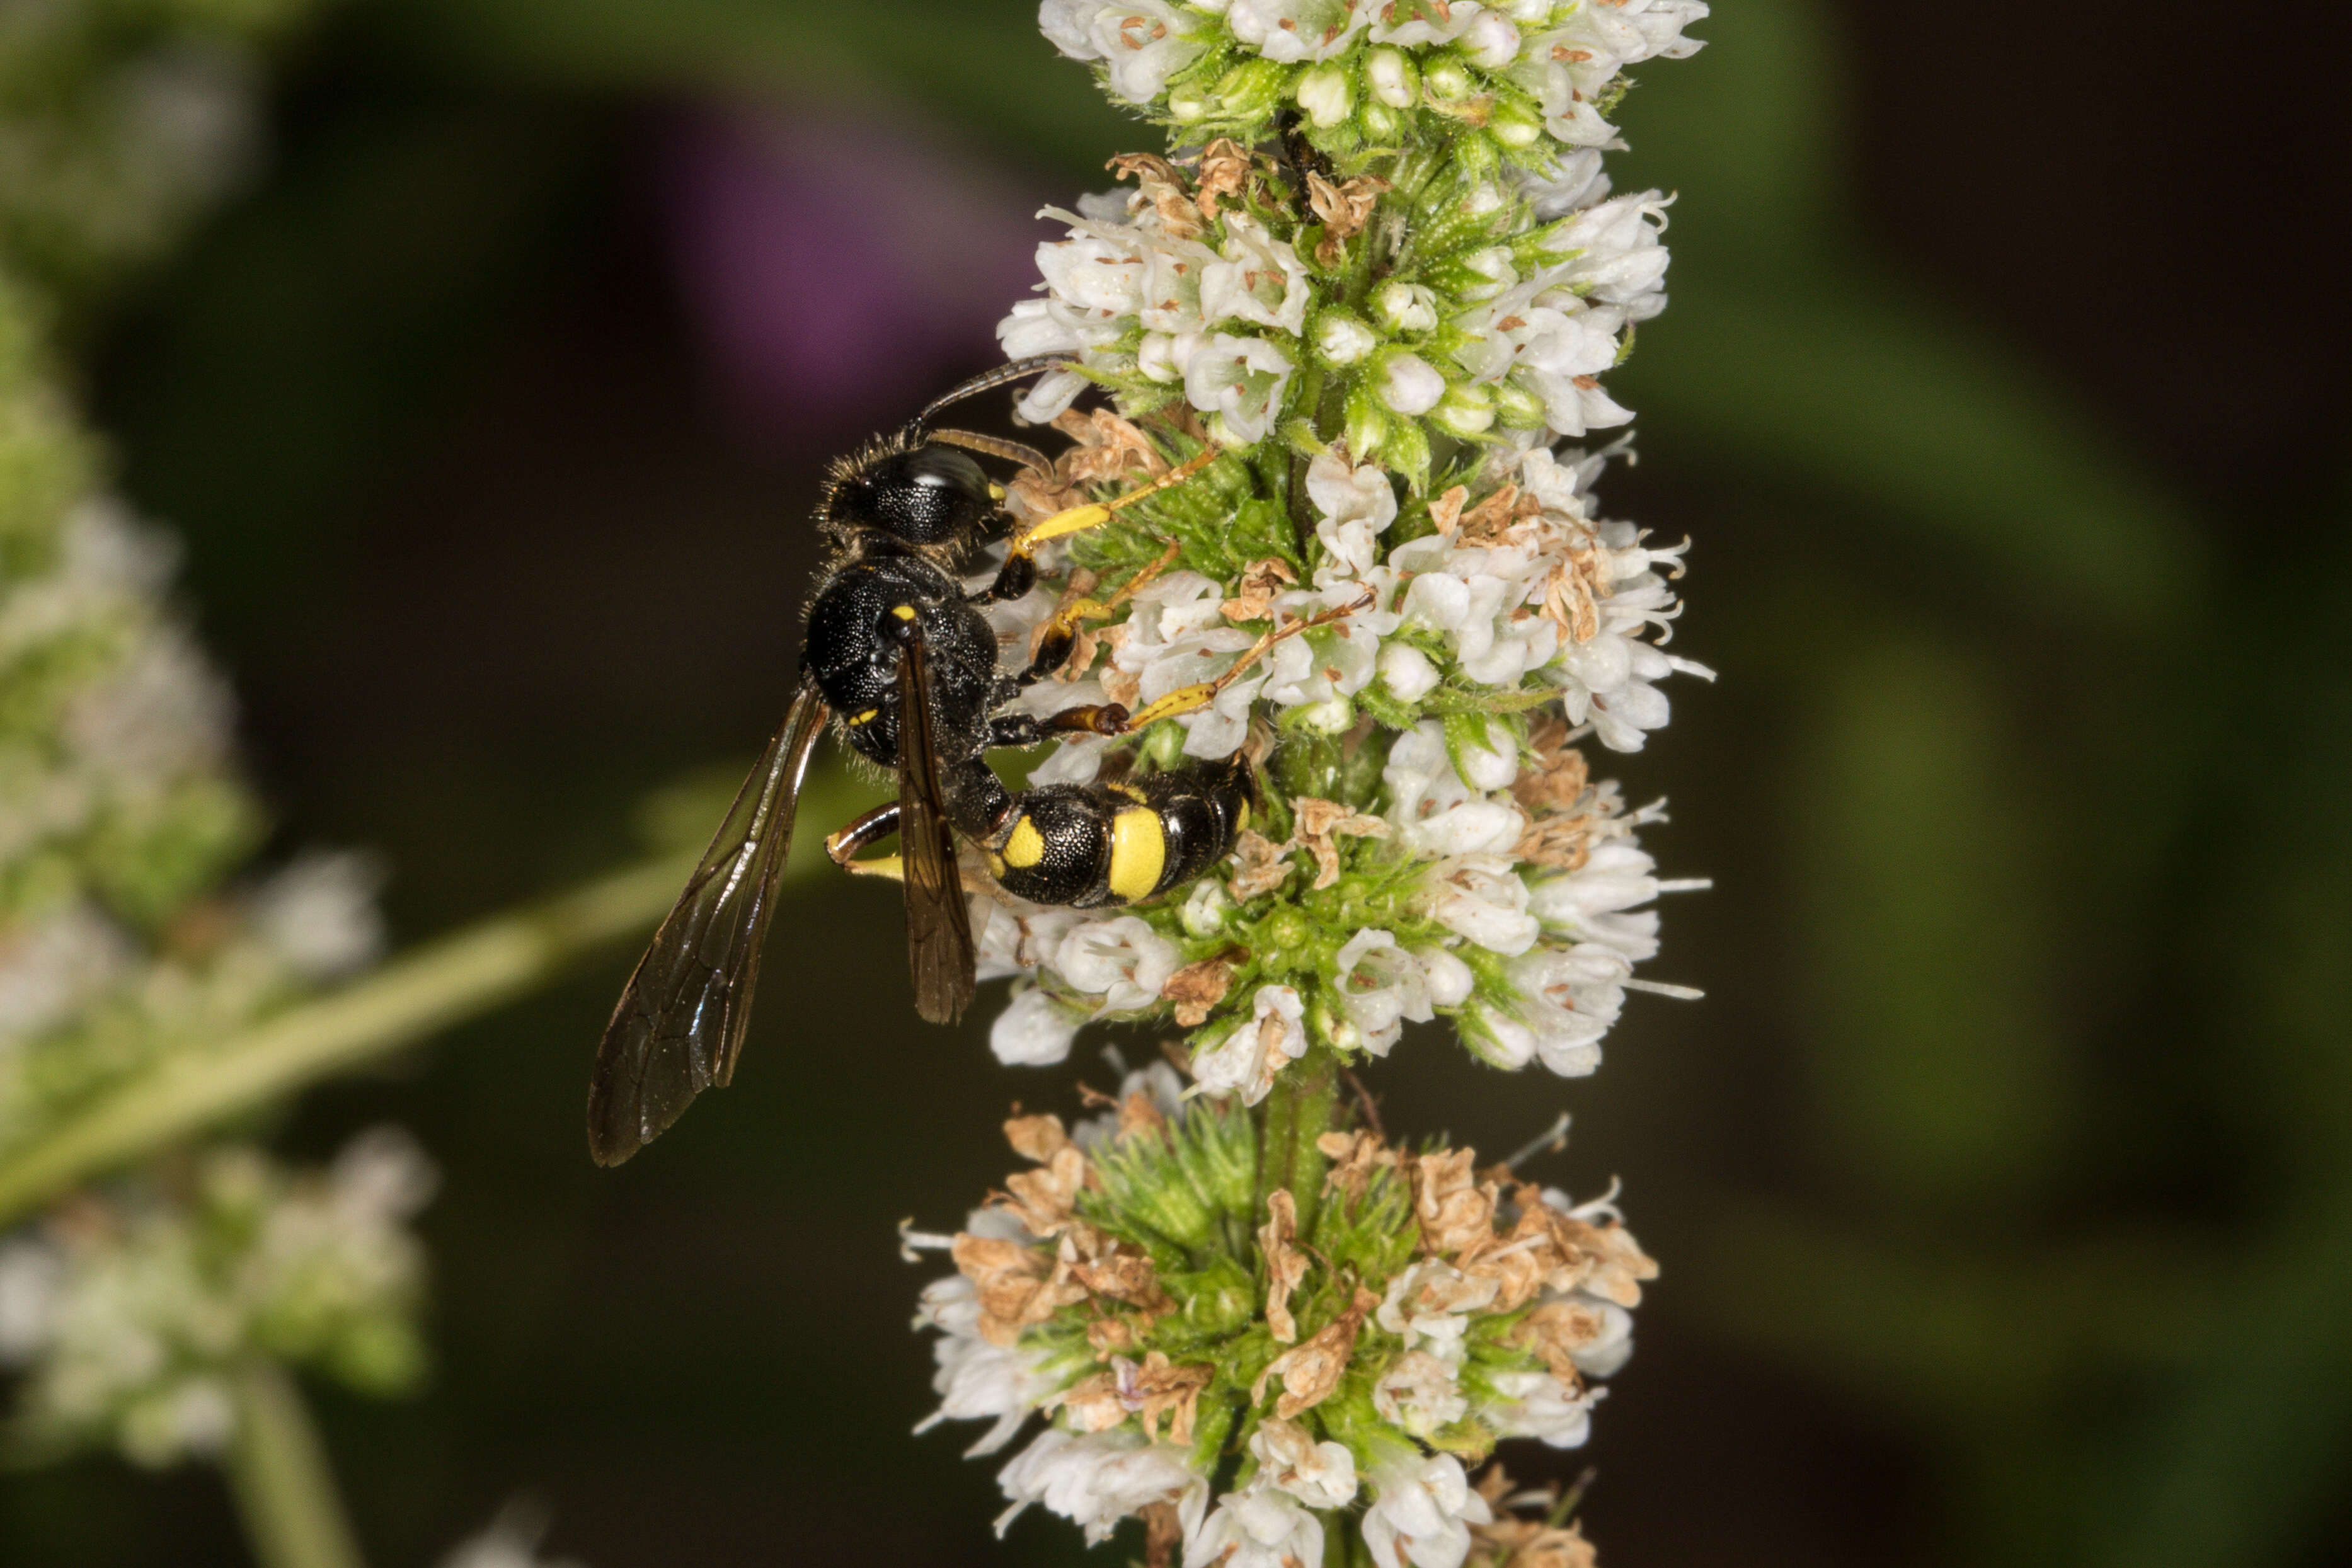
129,1313
1489,290
1358,1348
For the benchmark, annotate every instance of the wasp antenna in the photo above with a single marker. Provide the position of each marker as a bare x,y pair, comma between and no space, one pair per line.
994,445
988,380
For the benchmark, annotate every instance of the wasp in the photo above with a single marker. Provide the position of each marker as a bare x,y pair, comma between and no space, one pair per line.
898,660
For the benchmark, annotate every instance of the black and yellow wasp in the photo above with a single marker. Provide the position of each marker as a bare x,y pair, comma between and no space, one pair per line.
900,659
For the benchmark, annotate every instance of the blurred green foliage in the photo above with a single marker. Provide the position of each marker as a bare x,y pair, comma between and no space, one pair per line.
2019,1118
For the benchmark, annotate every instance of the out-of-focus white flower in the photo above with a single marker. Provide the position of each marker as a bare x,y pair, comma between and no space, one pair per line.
1033,1031
1418,1394
1141,43
1320,1475
1410,385
1257,1527
1246,1060
1423,1508
512,1541
977,1381
49,969
1096,1478
1537,1404
1291,31
31,1276
320,914
1429,1304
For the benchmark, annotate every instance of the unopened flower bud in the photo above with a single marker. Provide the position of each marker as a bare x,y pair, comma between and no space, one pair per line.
1516,125
1251,90
1410,385
1390,75
1466,411
1448,80
1325,96
1206,908
1368,422
1188,102
1406,671
1381,125
1342,339
1405,306
1492,41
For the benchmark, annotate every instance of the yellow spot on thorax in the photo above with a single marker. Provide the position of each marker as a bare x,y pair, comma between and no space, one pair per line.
1027,847
866,717
903,612
1139,852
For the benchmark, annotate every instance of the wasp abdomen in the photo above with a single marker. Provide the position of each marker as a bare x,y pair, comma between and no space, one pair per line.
1089,844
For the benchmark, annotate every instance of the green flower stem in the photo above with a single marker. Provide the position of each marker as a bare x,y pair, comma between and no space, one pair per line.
445,983
278,1473
1299,1111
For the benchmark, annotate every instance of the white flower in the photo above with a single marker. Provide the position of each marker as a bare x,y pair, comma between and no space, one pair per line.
1418,1394
1356,504
1405,306
1424,22
1568,66
1410,385
978,1381
1320,1475
31,1278
1141,43
1421,1509
1537,1404
1256,278
1341,338
1593,903
511,1542
1407,673
1098,1478
1033,1031
1122,960
49,969
1430,1304
320,915
1438,814
1481,897
1291,31
1381,986
1240,383
1257,1527
1451,980
1247,1059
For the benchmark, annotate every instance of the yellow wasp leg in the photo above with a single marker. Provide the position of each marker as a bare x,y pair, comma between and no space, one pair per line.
1186,699
1066,621
1094,515
892,866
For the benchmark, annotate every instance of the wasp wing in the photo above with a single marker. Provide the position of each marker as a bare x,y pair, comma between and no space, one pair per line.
938,923
679,1025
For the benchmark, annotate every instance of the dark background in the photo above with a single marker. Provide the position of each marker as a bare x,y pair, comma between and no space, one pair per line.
2003,1182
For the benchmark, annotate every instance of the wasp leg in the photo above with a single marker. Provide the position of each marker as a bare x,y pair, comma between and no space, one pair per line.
1200,693
872,828
1060,635
1094,515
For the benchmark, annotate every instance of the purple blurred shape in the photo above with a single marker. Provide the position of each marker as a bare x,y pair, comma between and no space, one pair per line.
838,268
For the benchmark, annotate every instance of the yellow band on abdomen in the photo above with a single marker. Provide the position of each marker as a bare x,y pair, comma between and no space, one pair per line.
1138,850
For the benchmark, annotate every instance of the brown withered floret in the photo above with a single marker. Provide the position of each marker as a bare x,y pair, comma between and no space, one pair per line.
1037,1138
1254,598
1163,187
1044,1200
1260,867
1455,1212
1343,209
1224,169
1354,1158
1196,988
1285,1265
1016,1285
1511,1541
1317,823
1556,1331
1310,1372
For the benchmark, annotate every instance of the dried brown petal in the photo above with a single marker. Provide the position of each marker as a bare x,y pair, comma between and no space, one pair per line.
1556,1330
1163,187
1044,1200
1285,1265
1354,1158
1197,987
1445,512
1456,1214
1261,867
1037,1138
1223,169
1311,1371
1252,600
1319,822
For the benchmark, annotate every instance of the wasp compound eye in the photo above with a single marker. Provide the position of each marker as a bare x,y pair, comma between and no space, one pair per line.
930,495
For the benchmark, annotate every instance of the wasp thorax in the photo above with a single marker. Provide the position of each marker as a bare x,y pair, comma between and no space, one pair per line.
925,495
